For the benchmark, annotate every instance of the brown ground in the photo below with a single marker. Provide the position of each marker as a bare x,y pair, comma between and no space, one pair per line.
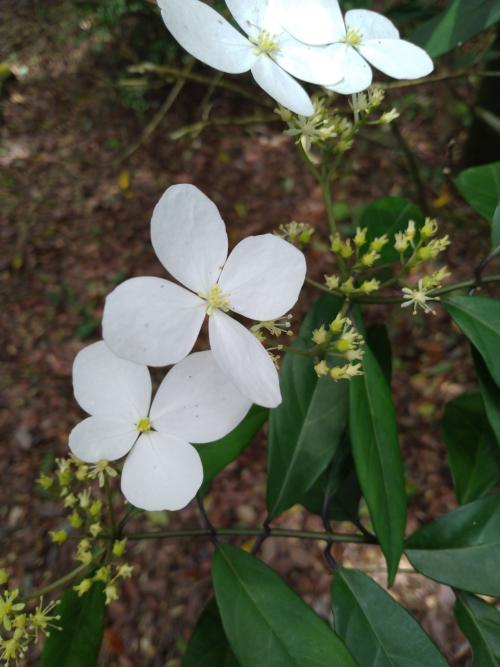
75,221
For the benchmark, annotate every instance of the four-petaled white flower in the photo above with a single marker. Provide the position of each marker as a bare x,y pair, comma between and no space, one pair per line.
270,52
155,322
365,38
196,402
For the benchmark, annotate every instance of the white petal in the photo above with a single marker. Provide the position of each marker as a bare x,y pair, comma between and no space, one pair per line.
98,438
161,473
189,237
250,14
312,22
107,386
397,58
197,401
281,86
152,321
371,24
207,36
357,72
263,276
315,64
242,357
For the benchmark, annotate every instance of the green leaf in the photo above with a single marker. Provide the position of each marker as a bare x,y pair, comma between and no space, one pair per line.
375,447
462,549
479,319
389,215
208,646
473,455
459,22
480,187
490,393
376,629
78,643
377,338
265,621
341,482
306,429
480,623
495,228
215,456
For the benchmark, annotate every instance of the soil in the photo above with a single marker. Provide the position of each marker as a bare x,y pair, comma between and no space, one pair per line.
75,222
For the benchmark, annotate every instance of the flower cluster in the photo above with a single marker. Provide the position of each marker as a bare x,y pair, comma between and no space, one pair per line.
419,244
18,627
108,575
71,484
340,341
306,39
298,234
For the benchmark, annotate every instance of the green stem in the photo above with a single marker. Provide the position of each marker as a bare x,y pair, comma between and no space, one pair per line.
252,532
111,508
360,298
58,583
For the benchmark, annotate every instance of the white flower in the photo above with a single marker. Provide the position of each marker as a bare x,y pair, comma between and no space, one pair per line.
155,322
418,298
365,38
194,403
269,52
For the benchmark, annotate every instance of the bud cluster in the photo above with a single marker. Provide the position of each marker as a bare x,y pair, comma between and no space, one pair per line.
298,234
340,341
109,574
274,328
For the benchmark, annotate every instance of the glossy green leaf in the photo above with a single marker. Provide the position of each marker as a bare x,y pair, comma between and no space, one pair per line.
306,429
459,22
341,483
388,216
479,319
480,187
78,642
462,549
208,646
480,623
495,228
267,623
376,629
375,447
490,393
472,451
377,338
215,456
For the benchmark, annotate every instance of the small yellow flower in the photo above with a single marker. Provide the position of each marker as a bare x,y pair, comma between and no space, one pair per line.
360,237
83,587
321,369
320,336
119,547
95,529
58,536
125,571
45,481
332,282
379,242
429,229
111,593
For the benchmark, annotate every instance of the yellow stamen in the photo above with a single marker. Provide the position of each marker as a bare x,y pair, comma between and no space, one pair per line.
144,425
266,43
353,37
216,299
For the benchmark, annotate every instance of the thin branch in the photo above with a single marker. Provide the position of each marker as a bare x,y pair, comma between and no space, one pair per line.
413,167
199,126
250,532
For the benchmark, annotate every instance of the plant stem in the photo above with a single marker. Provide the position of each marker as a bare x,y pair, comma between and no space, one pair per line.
360,298
73,574
111,508
251,532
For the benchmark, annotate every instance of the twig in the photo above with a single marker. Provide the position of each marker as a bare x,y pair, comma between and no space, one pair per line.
157,119
199,126
412,166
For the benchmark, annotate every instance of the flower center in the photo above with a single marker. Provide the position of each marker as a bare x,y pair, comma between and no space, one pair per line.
353,37
216,299
266,43
144,425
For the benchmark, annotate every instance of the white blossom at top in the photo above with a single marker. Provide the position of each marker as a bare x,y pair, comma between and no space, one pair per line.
195,403
270,52
156,322
362,39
